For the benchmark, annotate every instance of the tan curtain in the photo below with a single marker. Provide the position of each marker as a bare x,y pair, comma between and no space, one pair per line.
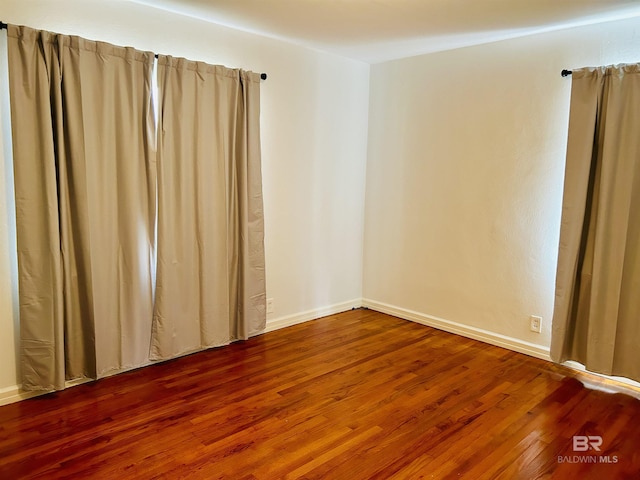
210,279
83,138
597,310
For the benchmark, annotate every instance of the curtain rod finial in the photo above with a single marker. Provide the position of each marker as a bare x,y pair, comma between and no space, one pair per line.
263,76
566,73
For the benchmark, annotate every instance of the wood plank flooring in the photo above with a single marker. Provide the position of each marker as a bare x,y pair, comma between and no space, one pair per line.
359,395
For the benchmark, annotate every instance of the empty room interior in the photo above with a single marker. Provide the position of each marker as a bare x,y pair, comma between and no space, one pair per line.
352,239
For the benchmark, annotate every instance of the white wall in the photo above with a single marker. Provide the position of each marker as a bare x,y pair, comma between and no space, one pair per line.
314,131
465,176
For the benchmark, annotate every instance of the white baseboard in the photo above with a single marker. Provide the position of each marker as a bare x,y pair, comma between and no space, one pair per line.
531,349
13,394
302,317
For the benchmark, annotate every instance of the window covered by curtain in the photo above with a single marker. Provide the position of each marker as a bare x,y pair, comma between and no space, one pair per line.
210,283
84,139
597,310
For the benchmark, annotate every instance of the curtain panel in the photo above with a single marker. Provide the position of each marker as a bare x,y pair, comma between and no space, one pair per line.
210,280
597,309
83,136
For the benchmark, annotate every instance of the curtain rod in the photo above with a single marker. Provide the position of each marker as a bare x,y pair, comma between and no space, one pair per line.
566,73
263,76
3,26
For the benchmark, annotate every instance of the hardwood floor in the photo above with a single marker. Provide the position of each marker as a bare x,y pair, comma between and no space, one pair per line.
359,395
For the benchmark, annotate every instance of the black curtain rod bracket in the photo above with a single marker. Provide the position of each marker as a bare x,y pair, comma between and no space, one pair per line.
566,73
3,26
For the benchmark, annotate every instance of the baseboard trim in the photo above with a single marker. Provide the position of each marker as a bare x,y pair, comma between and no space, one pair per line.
482,335
605,383
13,394
295,319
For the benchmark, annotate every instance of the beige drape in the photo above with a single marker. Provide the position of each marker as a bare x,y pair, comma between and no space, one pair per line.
83,137
597,309
210,279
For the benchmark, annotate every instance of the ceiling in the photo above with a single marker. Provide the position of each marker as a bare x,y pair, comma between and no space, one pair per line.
379,30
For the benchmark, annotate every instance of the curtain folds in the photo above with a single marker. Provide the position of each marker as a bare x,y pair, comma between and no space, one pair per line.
84,165
88,184
597,304
210,280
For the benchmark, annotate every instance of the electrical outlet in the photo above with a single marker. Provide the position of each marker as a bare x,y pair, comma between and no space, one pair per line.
270,307
535,323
